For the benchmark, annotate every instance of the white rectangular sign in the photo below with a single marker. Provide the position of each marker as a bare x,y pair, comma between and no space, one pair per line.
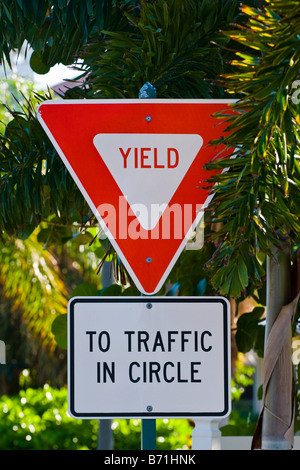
149,357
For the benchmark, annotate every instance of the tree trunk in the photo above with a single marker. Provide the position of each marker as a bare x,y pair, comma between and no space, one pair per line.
278,404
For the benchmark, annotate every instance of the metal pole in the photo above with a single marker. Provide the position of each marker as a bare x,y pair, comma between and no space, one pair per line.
148,435
105,433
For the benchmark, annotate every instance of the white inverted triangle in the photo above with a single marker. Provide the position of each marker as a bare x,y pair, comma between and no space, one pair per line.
148,178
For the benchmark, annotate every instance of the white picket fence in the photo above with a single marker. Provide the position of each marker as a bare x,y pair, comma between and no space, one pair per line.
244,443
206,435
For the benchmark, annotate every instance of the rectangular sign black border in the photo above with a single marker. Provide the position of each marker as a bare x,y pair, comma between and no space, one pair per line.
146,299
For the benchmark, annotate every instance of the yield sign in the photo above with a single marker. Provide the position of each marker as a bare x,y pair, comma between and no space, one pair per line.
139,165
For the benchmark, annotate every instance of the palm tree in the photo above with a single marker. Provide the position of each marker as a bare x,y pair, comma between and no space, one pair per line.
258,199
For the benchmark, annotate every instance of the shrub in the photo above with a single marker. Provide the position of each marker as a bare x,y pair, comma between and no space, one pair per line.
37,419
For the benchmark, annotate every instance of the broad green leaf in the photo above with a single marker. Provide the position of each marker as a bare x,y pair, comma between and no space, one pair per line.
84,290
113,290
82,238
244,341
37,64
248,330
59,330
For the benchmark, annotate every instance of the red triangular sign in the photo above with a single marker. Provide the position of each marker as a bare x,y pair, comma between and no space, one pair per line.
139,165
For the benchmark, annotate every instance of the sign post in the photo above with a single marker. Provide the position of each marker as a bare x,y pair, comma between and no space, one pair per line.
139,165
148,426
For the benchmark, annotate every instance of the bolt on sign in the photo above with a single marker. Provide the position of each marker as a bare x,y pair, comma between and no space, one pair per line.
139,165
149,357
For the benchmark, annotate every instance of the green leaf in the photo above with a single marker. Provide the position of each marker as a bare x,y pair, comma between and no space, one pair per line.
53,236
263,142
25,232
260,391
130,291
82,238
244,341
84,290
259,341
243,273
59,330
248,329
114,290
37,64
236,286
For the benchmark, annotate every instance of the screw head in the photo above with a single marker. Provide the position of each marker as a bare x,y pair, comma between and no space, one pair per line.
148,260
149,408
148,118
149,305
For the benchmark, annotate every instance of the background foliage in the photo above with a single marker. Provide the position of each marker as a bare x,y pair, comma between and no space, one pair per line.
257,200
37,419
176,46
